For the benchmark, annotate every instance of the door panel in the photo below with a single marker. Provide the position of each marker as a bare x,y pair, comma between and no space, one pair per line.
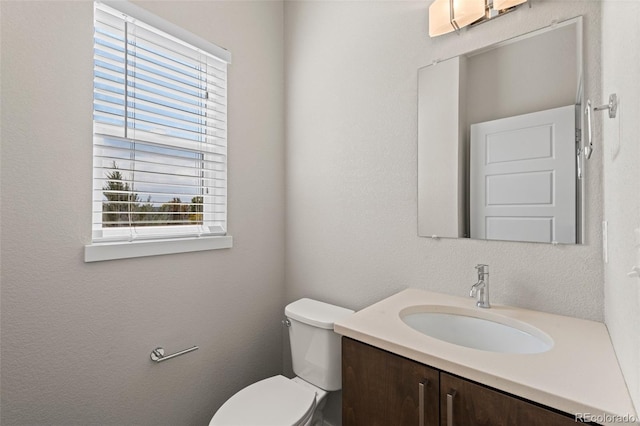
523,177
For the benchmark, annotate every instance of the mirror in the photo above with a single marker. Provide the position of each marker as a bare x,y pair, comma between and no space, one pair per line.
497,145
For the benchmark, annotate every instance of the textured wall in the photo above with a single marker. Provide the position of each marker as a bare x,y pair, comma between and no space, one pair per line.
76,337
621,152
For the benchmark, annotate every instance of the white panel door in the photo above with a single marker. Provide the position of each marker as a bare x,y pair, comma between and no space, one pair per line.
523,177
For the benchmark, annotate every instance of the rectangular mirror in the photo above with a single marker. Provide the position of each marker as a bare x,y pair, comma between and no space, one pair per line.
498,140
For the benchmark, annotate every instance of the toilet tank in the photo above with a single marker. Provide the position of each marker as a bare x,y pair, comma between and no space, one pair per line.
315,347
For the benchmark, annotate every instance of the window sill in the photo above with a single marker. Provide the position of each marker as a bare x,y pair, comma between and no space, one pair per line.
97,252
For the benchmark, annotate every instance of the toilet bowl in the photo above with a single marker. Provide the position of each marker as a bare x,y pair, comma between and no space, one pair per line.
316,356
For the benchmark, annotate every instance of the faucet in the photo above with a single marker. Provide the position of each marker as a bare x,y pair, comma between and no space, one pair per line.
481,288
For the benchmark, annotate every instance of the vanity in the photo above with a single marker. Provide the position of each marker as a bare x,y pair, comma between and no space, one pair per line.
395,372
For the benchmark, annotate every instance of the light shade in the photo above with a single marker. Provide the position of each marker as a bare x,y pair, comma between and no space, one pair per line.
505,4
449,15
440,18
466,12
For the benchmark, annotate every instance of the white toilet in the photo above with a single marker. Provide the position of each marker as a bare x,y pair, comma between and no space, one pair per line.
316,356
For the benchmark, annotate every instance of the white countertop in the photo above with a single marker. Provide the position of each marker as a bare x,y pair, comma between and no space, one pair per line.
579,374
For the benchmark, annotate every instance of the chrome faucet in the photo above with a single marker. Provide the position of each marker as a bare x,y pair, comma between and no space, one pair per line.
481,288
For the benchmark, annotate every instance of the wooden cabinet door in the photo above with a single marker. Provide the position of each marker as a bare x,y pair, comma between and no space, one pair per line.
383,389
477,405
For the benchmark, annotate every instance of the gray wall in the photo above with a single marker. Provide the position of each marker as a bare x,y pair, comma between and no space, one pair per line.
76,337
621,152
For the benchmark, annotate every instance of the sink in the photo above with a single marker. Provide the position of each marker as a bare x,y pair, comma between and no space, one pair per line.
477,330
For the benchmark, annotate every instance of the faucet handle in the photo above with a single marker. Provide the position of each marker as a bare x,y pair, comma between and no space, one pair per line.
482,268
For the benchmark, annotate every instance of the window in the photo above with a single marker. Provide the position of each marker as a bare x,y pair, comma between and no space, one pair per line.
159,133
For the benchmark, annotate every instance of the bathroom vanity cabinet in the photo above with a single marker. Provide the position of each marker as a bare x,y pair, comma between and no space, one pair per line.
381,388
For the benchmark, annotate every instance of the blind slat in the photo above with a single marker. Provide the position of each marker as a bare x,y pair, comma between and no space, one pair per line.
123,165
121,144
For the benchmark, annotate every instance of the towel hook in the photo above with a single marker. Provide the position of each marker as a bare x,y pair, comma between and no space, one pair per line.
612,106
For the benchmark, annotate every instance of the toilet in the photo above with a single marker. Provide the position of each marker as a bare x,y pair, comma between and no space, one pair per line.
316,357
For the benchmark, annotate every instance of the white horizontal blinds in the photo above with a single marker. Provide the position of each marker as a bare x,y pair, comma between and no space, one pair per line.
160,133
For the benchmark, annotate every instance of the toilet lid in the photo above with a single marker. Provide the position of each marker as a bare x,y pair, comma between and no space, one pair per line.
276,401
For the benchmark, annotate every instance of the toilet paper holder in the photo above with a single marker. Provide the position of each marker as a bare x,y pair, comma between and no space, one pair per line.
158,355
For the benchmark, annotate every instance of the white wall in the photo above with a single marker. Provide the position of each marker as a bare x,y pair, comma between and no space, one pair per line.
76,337
621,153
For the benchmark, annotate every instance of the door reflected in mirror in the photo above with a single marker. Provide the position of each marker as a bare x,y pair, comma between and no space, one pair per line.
497,145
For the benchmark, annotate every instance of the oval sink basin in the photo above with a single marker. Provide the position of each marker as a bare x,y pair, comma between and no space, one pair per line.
462,327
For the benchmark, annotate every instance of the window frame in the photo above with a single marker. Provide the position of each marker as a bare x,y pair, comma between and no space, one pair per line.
120,242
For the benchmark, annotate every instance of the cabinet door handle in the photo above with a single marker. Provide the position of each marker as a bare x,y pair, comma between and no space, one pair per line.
450,396
421,388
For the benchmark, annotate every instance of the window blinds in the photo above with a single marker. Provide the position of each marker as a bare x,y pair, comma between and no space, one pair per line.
160,133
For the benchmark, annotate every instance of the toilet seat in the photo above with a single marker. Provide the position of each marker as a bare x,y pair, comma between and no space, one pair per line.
276,401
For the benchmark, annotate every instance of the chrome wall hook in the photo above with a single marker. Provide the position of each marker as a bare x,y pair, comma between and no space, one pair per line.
612,106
